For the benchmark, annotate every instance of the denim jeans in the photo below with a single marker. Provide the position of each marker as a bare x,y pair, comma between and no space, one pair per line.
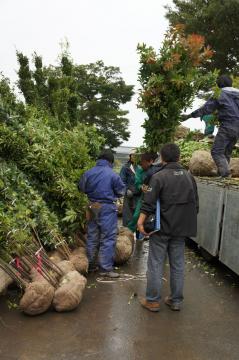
222,149
159,247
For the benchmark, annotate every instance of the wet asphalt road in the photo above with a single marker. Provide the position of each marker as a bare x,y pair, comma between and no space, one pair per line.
111,325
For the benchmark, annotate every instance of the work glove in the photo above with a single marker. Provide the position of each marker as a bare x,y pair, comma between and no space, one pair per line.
185,117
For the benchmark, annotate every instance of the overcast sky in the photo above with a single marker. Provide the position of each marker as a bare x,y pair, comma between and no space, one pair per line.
107,30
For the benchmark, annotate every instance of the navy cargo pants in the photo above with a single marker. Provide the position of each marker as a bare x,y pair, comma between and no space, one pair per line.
101,237
222,149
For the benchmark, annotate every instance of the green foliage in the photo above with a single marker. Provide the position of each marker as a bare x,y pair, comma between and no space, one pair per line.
21,209
54,160
91,94
217,21
47,143
25,82
170,80
102,91
188,147
41,163
9,106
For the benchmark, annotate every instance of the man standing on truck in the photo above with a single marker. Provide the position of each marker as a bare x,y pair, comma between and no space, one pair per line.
227,106
102,186
176,190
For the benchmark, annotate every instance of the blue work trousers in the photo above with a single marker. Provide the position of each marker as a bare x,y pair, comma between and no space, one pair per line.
222,149
159,247
101,237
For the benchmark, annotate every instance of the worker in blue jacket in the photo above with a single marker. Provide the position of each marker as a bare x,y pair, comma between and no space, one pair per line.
227,106
102,186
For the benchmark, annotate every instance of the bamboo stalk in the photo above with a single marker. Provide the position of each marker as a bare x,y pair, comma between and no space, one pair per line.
26,263
63,247
82,239
45,272
52,265
62,252
9,273
23,273
48,264
13,274
35,234
29,264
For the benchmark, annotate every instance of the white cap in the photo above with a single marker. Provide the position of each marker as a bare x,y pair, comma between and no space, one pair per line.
132,151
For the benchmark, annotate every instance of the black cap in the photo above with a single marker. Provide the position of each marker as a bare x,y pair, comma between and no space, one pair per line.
107,155
224,81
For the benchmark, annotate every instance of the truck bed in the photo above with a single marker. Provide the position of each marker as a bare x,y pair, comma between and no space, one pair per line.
218,219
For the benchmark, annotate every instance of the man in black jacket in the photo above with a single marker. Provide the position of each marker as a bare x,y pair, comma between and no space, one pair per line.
177,192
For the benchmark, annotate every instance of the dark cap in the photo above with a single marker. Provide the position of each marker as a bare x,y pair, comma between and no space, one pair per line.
224,81
106,155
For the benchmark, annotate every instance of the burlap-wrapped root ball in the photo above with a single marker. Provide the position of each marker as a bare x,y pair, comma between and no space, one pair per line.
181,132
5,280
79,259
120,207
66,266
38,296
202,164
69,294
56,256
234,167
125,231
124,246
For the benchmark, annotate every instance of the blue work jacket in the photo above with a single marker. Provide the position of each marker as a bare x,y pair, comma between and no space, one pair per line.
227,106
101,183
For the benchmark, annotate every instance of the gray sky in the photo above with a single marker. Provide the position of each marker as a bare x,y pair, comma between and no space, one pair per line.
107,30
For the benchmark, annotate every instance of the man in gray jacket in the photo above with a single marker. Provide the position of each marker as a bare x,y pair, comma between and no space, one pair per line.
177,192
227,106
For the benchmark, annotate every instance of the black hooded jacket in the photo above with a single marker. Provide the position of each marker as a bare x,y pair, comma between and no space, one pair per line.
176,189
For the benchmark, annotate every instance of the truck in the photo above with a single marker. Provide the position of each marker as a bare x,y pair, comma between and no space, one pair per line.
218,220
